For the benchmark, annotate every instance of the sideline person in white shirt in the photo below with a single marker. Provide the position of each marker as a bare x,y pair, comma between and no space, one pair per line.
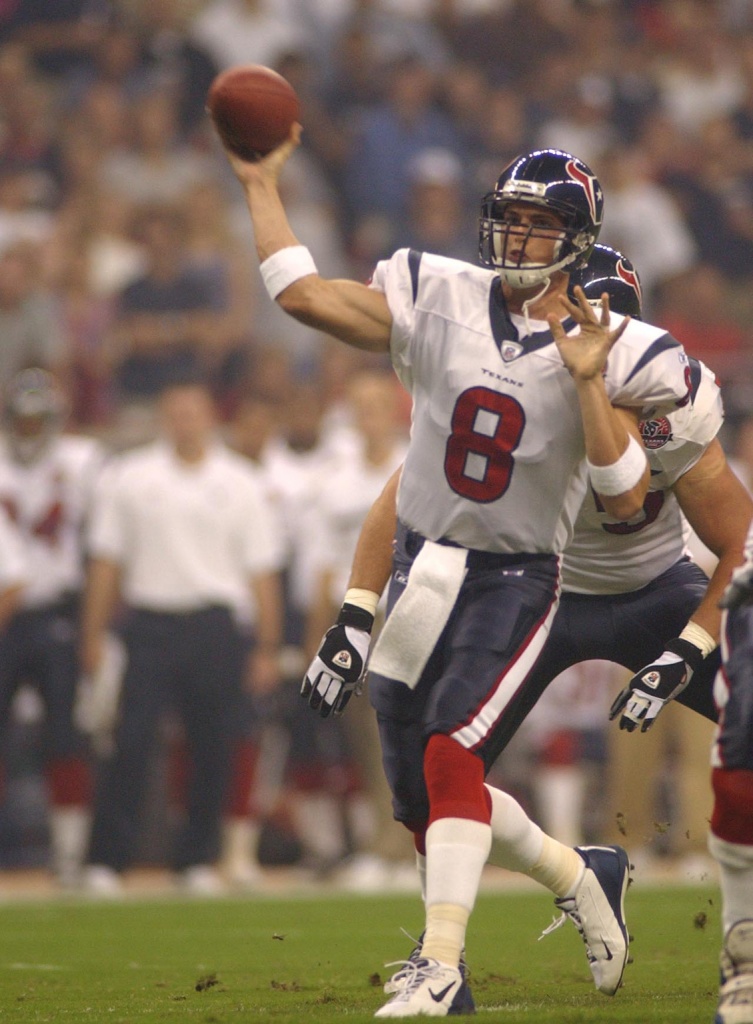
182,532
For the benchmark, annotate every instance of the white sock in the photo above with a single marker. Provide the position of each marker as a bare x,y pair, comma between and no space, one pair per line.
735,862
421,866
456,852
69,834
520,845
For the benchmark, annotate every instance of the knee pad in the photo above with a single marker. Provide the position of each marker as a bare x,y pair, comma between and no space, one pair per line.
455,781
732,818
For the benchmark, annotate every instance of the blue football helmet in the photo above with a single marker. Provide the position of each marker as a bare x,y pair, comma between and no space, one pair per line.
558,182
609,271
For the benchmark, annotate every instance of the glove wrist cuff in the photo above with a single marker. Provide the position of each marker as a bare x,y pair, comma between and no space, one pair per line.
359,618
687,651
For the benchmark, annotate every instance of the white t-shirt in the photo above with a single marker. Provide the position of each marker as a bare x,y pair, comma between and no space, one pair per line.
48,500
186,536
497,456
14,568
609,557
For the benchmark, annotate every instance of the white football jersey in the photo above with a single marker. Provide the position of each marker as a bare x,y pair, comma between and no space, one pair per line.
609,557
294,482
497,458
344,502
14,570
48,500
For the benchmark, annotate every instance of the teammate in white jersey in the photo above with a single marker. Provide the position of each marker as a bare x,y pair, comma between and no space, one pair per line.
731,833
513,411
46,482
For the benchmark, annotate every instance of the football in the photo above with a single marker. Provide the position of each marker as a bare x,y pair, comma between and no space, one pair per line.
253,109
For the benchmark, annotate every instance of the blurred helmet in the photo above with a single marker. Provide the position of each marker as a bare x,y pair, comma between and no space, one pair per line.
557,182
609,271
34,412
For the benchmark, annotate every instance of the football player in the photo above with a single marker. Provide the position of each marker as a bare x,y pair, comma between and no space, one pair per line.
46,480
651,583
731,834
513,416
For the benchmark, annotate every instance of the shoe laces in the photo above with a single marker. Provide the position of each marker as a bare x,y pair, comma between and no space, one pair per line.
412,974
573,914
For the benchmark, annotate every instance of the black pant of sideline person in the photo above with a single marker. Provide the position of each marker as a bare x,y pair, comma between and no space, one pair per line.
193,664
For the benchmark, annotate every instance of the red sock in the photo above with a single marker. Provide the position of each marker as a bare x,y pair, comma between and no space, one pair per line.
732,818
455,781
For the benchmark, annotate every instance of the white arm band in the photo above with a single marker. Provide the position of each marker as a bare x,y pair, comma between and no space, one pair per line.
366,599
622,475
285,266
700,637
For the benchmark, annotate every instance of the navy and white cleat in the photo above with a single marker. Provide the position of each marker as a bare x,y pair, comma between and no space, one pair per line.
425,988
463,1004
597,911
736,963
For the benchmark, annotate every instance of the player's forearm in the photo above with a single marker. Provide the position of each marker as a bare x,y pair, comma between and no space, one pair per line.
272,231
100,597
267,594
372,561
608,432
10,601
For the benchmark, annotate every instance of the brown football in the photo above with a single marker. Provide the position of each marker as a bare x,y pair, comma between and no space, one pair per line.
253,109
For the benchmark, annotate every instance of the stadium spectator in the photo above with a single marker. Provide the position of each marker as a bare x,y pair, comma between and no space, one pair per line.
182,531
29,316
156,167
167,323
389,136
247,31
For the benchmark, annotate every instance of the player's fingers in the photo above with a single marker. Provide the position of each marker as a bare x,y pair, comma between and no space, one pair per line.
555,326
605,309
617,333
306,686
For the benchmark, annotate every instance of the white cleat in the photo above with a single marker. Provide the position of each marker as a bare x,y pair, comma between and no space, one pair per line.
101,882
736,962
597,911
424,988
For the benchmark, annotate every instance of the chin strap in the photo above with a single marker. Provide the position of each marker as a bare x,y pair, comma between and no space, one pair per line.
529,302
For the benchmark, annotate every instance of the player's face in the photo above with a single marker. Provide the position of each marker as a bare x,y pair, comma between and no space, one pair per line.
528,235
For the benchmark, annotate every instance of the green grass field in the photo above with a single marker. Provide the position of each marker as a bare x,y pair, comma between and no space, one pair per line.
294,960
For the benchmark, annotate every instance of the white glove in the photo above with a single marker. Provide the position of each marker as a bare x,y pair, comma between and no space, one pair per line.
338,668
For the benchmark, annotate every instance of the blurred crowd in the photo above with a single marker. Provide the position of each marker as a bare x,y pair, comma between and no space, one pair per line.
127,262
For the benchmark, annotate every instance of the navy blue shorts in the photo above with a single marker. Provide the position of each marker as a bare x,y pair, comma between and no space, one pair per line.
629,629
40,647
734,744
497,628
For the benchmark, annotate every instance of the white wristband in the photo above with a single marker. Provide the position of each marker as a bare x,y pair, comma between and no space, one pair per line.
621,475
285,266
699,637
366,599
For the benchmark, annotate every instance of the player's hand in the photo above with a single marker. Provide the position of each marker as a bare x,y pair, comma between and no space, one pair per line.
338,668
268,167
585,354
739,590
656,685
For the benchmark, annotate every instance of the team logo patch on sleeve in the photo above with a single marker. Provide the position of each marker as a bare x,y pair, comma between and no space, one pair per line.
655,433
